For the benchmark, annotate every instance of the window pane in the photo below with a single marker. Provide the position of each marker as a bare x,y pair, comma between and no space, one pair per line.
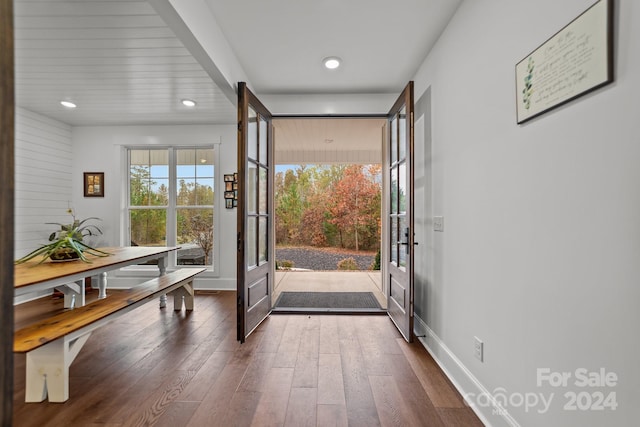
138,189
185,171
148,227
262,241
148,178
394,190
251,239
195,236
402,138
252,132
393,142
402,229
186,192
394,240
402,188
262,188
252,187
263,142
194,172
159,192
204,191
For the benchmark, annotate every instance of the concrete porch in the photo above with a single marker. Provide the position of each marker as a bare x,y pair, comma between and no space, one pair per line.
330,281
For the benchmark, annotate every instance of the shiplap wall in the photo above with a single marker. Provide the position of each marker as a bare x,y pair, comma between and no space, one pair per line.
43,178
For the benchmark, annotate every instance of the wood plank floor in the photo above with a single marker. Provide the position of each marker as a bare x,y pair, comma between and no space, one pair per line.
162,368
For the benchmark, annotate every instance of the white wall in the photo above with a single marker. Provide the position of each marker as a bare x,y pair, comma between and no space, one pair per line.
100,149
43,178
539,257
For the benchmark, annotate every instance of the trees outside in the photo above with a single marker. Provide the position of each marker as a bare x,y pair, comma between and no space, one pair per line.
337,205
149,224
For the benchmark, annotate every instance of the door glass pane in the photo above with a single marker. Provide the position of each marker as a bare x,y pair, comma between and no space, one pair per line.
195,236
393,141
394,240
402,139
394,190
251,239
402,188
262,240
263,141
402,229
252,132
148,227
262,189
252,187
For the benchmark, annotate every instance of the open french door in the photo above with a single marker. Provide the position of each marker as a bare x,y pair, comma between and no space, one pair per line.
398,166
255,263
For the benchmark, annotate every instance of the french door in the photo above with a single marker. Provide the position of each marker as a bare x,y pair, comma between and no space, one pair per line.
255,263
398,166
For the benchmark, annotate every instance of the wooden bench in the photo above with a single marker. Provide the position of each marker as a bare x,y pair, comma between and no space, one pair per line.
52,344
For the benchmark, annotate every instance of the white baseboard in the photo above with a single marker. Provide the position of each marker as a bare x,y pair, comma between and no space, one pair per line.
491,415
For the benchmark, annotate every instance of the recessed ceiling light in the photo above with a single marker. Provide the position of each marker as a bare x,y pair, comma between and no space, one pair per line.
188,103
331,62
68,104
328,141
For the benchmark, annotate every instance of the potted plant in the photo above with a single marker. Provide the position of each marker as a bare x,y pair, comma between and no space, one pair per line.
67,243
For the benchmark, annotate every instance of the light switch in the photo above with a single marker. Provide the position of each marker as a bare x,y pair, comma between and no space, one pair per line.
438,223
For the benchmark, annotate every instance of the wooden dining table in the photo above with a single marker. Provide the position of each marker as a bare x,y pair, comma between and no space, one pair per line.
69,277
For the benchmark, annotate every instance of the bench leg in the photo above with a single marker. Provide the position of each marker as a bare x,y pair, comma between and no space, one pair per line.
102,285
48,369
184,293
73,294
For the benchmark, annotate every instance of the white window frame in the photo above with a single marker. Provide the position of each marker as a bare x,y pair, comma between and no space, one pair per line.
213,270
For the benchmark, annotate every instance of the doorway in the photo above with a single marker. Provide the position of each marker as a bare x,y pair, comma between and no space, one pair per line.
328,207
255,225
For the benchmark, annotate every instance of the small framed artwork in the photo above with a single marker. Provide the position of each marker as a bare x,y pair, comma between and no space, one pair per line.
228,186
228,178
228,203
228,194
93,184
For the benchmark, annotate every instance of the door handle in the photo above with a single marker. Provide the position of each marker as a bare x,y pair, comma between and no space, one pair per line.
406,243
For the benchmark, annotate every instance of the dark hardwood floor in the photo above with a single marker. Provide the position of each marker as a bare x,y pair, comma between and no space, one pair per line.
162,368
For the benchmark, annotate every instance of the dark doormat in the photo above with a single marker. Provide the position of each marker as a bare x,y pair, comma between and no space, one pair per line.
327,300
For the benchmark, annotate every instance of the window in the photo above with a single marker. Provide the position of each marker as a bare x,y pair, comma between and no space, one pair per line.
171,201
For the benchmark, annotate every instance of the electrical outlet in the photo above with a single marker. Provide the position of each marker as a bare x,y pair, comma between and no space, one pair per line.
478,348
438,223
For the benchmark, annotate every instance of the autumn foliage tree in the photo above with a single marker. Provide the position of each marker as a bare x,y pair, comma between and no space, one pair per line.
335,205
355,207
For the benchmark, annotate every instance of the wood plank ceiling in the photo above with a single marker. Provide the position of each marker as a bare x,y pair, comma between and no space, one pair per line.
117,60
123,65
328,140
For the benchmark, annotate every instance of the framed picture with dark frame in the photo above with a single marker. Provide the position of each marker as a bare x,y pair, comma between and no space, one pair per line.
576,60
93,184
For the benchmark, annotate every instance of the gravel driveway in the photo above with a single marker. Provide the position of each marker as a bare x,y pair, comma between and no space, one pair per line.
320,259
